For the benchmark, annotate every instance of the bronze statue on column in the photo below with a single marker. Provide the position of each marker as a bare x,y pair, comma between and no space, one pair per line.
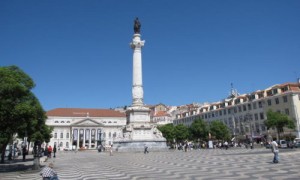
137,26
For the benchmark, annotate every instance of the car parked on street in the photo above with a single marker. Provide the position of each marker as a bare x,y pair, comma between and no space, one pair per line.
282,144
297,145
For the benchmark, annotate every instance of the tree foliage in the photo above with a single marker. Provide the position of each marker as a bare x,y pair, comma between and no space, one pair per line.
168,132
219,130
199,130
181,133
279,121
20,110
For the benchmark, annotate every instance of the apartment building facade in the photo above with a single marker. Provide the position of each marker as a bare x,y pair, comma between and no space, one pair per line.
245,114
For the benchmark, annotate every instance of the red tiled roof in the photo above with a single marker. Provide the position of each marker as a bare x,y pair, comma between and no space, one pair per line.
81,112
161,113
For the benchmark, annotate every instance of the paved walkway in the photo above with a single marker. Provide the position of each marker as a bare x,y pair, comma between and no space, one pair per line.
197,164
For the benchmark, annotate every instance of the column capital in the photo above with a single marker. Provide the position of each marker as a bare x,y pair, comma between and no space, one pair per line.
137,44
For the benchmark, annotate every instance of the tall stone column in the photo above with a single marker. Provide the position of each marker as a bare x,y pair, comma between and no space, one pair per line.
137,81
78,138
84,134
90,139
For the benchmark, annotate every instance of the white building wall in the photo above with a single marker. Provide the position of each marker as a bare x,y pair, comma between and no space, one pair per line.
64,125
241,120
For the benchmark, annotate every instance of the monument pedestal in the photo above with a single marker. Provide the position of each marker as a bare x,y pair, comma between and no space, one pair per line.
139,132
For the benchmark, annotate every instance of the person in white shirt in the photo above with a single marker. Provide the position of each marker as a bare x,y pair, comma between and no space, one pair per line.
275,150
226,145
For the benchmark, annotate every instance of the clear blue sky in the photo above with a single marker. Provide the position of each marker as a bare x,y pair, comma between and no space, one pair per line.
78,52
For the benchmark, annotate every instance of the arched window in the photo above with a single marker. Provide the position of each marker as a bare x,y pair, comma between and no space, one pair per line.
61,144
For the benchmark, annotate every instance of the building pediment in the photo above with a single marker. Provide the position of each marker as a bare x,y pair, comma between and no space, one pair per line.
87,122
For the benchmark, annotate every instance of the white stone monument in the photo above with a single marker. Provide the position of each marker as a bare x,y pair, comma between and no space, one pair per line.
139,132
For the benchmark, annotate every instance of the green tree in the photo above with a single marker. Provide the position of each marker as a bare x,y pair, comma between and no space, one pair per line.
219,130
199,130
20,110
181,133
168,132
279,121
35,128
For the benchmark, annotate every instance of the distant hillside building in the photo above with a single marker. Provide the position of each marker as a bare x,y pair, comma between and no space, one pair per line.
160,114
245,114
84,127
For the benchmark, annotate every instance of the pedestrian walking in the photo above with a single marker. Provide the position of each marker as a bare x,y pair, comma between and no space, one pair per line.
99,148
251,145
275,151
48,173
49,151
111,150
226,145
146,149
24,152
54,150
186,146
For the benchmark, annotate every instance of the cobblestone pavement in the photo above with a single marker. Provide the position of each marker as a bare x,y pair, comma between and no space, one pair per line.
196,164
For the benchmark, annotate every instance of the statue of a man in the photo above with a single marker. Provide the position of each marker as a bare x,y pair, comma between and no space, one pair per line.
137,26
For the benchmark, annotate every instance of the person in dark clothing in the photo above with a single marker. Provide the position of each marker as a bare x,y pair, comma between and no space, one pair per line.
24,152
46,151
146,150
54,150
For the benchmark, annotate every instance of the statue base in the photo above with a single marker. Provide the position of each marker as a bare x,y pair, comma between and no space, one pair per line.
139,132
139,145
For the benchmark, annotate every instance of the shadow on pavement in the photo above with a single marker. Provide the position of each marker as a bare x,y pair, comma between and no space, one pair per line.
16,165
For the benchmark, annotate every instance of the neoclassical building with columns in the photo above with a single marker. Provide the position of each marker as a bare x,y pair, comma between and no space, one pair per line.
80,127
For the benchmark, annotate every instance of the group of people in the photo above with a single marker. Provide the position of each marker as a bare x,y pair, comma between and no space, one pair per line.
102,148
47,172
49,150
